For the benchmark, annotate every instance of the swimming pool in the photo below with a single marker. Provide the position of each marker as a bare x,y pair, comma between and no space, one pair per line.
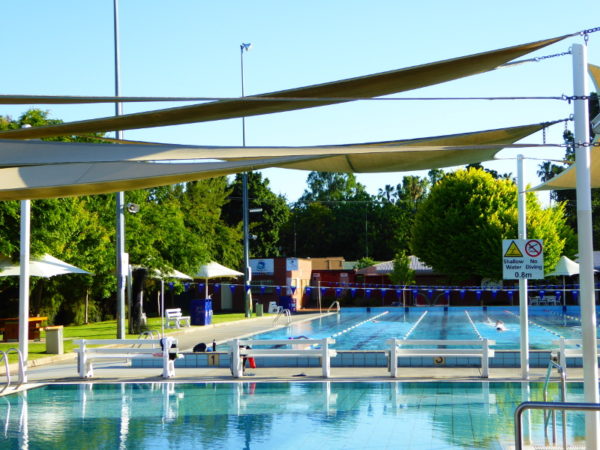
362,329
318,415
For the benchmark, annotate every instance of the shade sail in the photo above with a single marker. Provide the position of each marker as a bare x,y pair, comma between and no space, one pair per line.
24,153
565,267
288,100
215,270
62,180
46,266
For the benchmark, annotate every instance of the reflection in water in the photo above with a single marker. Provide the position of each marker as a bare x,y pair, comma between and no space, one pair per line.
274,415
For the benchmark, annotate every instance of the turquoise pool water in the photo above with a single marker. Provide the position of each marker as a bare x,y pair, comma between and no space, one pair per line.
319,415
359,329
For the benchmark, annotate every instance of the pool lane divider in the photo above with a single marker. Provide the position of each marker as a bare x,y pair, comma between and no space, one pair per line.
535,324
473,325
415,325
359,324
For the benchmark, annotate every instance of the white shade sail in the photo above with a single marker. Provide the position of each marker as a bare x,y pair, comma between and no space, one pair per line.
47,266
216,270
565,267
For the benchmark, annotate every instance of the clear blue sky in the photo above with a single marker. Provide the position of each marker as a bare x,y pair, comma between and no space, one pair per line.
191,48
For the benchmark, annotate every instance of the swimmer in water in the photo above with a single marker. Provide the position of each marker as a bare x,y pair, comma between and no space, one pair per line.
500,326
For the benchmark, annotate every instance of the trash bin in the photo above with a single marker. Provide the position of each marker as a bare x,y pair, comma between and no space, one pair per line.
201,312
54,340
259,310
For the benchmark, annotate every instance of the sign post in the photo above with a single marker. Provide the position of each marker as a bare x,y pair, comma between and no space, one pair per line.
523,259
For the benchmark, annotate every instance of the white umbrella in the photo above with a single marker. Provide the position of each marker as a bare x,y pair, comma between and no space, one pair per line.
46,266
215,270
565,268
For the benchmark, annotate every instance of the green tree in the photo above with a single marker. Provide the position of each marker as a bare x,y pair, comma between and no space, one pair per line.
459,228
364,262
402,273
267,224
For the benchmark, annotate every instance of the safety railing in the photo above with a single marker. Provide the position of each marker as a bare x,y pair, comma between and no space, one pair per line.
563,397
283,313
21,366
556,406
335,305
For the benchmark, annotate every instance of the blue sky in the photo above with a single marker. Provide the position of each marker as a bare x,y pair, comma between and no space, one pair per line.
191,48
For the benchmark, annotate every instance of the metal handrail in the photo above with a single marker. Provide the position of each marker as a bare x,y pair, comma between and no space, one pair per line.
21,363
336,304
285,313
5,358
546,405
148,334
563,388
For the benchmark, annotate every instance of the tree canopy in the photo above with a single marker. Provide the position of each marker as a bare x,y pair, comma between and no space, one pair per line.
459,228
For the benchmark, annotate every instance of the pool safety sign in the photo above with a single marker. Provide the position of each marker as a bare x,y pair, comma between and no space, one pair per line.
523,259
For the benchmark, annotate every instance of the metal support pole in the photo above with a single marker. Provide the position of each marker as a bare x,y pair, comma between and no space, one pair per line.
24,284
584,231
523,283
120,199
245,205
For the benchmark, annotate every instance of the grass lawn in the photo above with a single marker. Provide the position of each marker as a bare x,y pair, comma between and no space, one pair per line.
98,330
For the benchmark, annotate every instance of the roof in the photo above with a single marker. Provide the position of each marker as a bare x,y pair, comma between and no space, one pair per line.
386,267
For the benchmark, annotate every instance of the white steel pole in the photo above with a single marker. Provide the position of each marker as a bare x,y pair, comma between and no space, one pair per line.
584,231
24,284
120,200
523,283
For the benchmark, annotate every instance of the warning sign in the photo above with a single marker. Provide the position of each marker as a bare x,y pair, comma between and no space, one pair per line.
523,259
513,251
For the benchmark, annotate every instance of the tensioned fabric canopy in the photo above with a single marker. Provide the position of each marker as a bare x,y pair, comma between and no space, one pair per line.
293,99
46,266
103,168
568,178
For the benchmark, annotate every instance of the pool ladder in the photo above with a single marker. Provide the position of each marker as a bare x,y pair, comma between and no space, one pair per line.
550,408
4,356
335,305
283,313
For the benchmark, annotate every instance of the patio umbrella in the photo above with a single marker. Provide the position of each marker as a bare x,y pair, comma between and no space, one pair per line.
565,268
46,266
215,270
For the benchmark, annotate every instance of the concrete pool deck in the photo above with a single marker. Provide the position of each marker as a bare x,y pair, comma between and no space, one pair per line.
62,369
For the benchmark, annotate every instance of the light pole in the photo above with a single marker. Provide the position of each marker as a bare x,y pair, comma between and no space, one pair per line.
120,200
247,271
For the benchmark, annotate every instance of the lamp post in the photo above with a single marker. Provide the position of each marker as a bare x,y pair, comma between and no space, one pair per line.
244,47
120,200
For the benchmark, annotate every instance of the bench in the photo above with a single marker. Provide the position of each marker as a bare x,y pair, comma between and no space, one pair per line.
302,348
564,351
174,318
439,349
125,349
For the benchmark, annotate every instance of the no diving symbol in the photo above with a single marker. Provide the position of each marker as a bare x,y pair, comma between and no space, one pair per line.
533,248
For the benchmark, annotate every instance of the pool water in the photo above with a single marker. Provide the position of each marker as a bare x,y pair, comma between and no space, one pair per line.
362,329
317,415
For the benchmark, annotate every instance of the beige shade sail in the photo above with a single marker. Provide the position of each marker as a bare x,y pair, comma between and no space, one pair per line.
568,178
443,151
293,99
86,178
